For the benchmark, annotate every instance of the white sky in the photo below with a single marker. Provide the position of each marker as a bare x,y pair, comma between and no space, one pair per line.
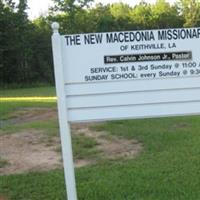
38,7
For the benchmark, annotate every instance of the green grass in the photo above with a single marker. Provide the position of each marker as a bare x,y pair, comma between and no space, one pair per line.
49,127
11,109
84,147
3,163
28,92
46,185
167,169
7,106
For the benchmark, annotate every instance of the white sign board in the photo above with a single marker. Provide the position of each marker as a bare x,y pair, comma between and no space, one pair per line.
124,75
133,74
134,55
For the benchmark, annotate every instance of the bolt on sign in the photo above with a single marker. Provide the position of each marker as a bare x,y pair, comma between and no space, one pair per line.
123,75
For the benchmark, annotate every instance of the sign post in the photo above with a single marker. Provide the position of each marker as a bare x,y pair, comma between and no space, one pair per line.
123,75
62,114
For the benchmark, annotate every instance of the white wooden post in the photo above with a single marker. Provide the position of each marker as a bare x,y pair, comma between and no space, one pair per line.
62,113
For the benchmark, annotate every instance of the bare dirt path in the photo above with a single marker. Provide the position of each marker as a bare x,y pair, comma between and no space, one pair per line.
28,150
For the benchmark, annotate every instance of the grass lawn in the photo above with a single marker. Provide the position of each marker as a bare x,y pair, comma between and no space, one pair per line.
28,92
15,99
167,169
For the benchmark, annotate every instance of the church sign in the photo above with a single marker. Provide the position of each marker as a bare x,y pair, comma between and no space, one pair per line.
124,75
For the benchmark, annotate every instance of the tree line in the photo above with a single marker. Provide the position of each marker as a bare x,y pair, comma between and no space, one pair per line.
25,45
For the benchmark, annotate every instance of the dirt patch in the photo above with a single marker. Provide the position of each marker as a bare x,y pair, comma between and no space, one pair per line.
83,162
31,150
112,147
181,126
25,152
3,198
32,114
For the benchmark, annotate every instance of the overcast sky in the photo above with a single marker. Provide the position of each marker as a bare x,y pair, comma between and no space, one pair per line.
38,7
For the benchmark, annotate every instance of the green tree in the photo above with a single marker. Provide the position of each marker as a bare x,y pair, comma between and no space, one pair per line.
102,18
22,7
121,13
69,9
25,46
41,59
7,40
190,11
165,16
25,50
120,10
141,16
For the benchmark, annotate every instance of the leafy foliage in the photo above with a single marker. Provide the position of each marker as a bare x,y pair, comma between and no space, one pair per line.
190,11
25,46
